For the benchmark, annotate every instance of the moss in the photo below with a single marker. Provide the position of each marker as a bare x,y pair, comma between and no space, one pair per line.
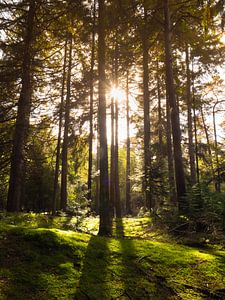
51,263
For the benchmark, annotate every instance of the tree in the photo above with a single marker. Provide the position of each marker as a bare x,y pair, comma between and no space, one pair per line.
90,156
66,130
190,119
23,115
58,147
116,148
147,155
128,160
104,209
178,160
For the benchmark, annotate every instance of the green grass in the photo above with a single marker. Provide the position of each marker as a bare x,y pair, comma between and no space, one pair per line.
54,263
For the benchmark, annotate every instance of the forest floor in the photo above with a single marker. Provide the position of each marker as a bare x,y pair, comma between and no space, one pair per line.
48,258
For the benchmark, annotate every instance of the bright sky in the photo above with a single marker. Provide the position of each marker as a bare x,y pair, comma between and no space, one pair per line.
120,94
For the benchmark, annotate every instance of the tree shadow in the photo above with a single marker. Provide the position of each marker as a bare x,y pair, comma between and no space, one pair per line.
145,284
93,283
36,265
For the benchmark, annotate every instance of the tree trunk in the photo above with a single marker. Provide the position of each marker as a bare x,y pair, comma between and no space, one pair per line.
128,185
191,151
66,131
218,183
90,158
104,209
147,157
176,132
56,175
117,183
160,127
22,119
97,180
170,158
195,126
112,161
208,146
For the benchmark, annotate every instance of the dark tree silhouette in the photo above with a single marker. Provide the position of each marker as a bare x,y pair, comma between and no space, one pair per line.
104,207
23,116
174,112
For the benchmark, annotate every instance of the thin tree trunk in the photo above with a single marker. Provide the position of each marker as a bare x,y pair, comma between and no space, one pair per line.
97,177
195,126
112,161
218,184
160,130
66,131
176,132
128,185
170,158
90,157
56,176
117,183
22,119
147,157
208,145
104,209
190,120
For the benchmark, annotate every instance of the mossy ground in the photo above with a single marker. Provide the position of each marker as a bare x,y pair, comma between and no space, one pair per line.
57,263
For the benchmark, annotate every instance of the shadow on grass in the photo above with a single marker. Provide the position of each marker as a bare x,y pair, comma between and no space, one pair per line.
112,270
139,282
39,220
37,266
93,282
134,286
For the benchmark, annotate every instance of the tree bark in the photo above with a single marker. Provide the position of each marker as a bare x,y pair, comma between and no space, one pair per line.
66,131
218,183
195,126
147,156
104,209
90,150
117,183
97,179
191,151
56,175
22,119
208,146
170,157
112,161
176,132
160,127
128,183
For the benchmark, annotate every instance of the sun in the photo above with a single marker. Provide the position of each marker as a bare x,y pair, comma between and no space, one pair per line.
117,93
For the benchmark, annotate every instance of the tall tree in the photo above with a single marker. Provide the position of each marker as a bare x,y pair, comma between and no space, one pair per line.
175,121
90,156
170,157
66,130
147,154
160,123
117,184
128,167
104,209
190,119
23,116
58,147
112,159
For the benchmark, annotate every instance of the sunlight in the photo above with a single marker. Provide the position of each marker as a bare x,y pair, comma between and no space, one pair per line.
120,95
117,93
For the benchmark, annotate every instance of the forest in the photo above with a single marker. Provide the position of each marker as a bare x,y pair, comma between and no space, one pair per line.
112,156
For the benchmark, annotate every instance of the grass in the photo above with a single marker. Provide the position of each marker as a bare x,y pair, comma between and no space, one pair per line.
42,258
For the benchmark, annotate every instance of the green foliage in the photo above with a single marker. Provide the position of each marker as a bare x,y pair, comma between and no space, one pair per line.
204,222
